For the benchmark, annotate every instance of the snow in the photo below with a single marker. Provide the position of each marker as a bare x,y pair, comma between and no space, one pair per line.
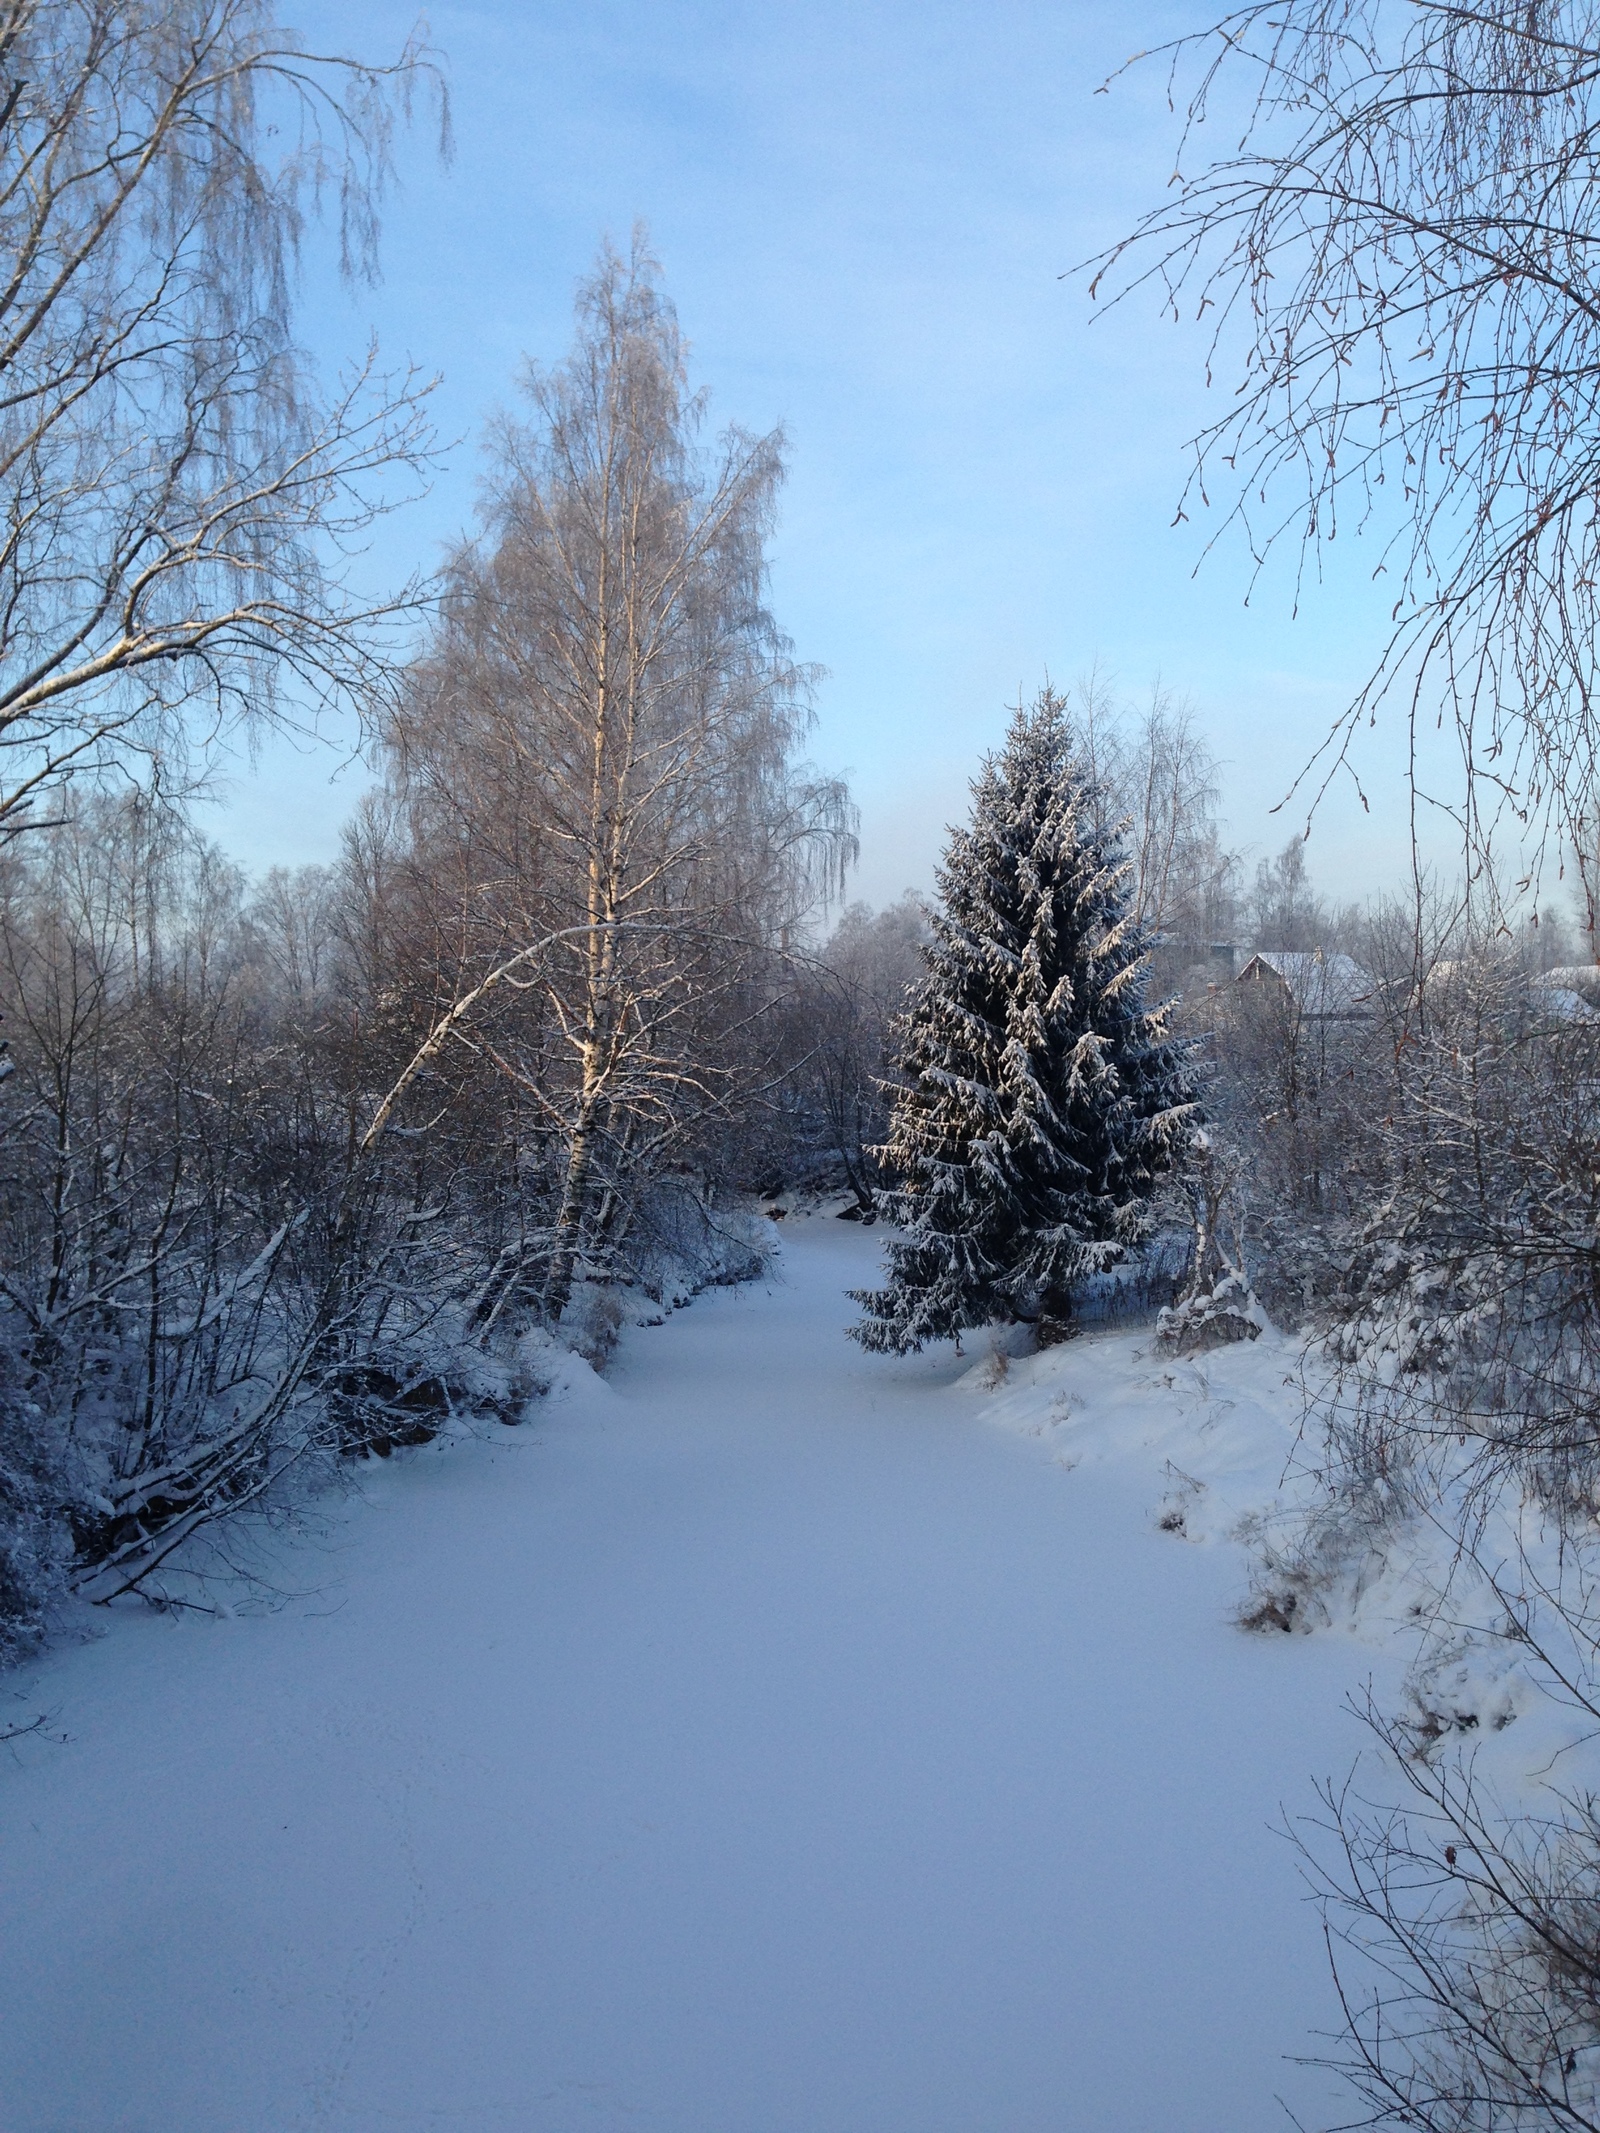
1228,1444
773,1738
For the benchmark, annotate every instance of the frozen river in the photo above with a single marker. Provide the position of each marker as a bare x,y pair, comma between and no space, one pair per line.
757,1743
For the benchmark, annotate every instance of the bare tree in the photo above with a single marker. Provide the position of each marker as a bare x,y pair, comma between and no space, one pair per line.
1400,259
847,1010
292,1177
1159,779
1465,1938
1285,911
232,1237
181,508
604,734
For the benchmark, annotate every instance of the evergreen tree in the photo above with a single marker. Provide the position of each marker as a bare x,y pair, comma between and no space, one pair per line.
1041,1098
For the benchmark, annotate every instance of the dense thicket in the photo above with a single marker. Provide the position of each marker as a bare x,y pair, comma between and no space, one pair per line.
300,1172
838,1040
180,507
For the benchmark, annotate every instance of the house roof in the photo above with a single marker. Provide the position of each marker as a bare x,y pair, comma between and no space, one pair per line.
1318,983
1567,994
1562,1002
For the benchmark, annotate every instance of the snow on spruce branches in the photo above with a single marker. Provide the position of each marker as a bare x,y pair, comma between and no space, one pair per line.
1041,1099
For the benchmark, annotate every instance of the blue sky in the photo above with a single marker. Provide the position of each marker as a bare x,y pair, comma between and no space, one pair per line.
864,212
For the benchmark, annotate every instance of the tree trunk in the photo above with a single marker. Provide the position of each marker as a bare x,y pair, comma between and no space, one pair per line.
569,1222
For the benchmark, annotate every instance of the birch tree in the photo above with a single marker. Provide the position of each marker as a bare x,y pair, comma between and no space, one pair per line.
602,743
180,504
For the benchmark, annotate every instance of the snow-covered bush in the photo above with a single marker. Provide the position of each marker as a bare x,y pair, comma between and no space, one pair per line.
409,1385
685,1239
1210,1318
1216,1306
37,1499
230,1259
1314,1564
1470,1310
593,1321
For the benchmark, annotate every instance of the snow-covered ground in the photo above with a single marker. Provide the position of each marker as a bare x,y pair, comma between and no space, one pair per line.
772,1739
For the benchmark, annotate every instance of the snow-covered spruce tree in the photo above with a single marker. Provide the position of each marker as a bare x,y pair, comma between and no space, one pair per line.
1041,1098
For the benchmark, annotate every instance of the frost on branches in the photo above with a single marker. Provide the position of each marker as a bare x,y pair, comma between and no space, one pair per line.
1042,1099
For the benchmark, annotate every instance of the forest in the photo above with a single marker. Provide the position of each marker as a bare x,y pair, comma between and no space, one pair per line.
306,1169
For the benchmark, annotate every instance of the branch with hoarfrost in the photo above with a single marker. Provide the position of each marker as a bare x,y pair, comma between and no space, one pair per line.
155,1512
181,510
1396,248
1463,1936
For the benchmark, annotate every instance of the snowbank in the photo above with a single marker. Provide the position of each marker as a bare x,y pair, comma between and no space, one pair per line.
1227,1448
